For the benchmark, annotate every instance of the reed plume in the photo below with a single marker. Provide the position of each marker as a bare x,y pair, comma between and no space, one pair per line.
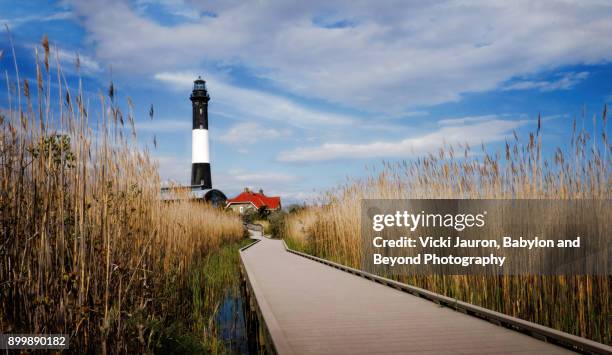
87,247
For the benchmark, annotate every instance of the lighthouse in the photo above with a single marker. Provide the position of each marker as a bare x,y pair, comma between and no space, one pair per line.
200,153
201,183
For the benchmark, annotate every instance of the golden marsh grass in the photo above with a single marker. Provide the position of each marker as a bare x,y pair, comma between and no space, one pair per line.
87,248
579,304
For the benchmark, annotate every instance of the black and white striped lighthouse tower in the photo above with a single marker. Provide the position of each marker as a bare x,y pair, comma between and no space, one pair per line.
200,156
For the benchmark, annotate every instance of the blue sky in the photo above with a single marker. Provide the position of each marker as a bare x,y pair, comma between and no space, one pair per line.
305,94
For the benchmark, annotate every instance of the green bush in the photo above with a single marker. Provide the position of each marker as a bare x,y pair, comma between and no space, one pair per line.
277,223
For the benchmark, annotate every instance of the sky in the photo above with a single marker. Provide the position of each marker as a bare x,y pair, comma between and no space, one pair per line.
306,94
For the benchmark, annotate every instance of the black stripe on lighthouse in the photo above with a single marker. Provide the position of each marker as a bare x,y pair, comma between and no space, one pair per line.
200,175
200,156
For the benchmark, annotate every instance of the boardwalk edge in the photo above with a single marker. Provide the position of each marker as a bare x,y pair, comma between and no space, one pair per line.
534,330
270,324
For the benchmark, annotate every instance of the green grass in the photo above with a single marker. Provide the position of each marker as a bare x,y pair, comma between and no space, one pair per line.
209,282
297,244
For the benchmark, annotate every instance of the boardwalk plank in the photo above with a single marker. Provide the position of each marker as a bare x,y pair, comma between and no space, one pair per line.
322,310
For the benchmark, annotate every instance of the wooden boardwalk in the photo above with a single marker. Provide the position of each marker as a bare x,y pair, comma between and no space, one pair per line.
311,308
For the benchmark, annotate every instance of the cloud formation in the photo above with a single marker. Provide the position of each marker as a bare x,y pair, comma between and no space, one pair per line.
477,130
163,125
566,81
14,23
372,55
255,178
248,133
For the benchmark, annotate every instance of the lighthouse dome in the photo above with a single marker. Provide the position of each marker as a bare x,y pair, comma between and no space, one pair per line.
199,84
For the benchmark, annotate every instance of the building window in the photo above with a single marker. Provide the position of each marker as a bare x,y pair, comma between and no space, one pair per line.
201,110
241,209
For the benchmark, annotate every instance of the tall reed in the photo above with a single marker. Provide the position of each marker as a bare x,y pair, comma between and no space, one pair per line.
86,246
579,305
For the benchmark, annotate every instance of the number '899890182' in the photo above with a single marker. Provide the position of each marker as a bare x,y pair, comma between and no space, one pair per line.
34,341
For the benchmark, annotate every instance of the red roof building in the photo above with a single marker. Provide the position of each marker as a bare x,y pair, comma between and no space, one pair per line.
250,200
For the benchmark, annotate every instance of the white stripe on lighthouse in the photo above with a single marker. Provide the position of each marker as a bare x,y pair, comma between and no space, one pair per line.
199,146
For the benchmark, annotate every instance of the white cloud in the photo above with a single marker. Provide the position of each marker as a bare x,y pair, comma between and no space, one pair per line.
256,104
87,64
382,62
163,125
67,59
249,133
272,182
417,113
19,21
468,119
565,82
289,197
256,178
450,133
174,168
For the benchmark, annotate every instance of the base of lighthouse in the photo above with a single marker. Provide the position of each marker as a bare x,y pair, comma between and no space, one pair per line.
177,193
200,175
